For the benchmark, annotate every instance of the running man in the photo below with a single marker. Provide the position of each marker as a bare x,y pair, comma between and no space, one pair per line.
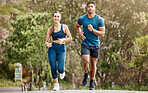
93,28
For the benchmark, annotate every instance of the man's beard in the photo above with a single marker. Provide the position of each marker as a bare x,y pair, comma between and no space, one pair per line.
90,11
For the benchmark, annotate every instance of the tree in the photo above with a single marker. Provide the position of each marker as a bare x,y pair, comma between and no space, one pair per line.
28,41
124,22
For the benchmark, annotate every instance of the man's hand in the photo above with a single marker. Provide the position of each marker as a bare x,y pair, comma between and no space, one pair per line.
78,29
82,36
90,27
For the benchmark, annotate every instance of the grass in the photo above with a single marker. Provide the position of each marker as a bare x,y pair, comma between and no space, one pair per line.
9,83
126,87
65,85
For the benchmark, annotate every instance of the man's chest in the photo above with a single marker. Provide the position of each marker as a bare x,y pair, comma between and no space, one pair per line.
92,22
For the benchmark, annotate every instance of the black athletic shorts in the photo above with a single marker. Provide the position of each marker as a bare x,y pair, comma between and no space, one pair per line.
93,51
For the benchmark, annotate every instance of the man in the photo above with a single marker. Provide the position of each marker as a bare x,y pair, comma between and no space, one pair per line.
93,28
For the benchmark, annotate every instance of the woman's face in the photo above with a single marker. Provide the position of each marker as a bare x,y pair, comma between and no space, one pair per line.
56,17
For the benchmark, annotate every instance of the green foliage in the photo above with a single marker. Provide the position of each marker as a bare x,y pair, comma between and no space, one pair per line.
124,23
141,51
28,38
114,65
28,41
142,44
105,66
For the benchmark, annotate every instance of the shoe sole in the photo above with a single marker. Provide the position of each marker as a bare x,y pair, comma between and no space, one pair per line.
55,90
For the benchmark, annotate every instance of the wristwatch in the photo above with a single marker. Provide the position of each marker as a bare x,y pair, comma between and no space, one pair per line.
93,30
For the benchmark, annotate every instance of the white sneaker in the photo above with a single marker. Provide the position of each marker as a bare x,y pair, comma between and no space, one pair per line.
56,87
62,75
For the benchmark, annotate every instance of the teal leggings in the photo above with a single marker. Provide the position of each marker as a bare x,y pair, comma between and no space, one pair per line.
57,53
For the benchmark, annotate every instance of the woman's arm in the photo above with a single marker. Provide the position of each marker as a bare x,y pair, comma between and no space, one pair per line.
69,37
48,38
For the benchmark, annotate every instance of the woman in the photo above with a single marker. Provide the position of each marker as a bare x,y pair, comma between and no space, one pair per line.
57,51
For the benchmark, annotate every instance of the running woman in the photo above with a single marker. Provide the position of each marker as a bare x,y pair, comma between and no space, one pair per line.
56,50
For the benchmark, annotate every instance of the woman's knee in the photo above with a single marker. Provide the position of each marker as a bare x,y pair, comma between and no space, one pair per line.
61,70
54,75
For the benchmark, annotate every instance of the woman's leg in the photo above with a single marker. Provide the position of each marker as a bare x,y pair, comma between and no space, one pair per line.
61,62
55,80
52,61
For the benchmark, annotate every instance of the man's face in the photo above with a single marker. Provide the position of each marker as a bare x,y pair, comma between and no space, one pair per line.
91,8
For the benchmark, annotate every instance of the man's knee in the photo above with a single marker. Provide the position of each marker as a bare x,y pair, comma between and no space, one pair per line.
85,61
93,65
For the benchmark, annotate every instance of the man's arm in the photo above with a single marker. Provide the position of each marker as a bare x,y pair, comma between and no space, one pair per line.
100,32
77,28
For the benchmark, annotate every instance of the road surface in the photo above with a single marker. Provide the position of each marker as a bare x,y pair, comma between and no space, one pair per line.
18,90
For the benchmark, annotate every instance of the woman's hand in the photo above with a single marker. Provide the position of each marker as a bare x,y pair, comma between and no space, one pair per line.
48,44
59,41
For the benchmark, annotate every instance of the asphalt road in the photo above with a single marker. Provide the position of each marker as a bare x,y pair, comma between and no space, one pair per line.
18,90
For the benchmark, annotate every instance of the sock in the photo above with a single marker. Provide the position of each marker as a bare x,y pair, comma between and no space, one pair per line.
86,74
91,81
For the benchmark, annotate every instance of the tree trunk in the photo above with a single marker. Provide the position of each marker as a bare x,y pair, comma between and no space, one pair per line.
36,74
47,74
72,70
31,76
73,81
47,71
40,77
101,79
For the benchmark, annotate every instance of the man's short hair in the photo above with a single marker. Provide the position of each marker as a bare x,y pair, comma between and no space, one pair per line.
91,2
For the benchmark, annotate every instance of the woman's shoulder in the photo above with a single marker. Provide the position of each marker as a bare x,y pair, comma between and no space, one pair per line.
65,26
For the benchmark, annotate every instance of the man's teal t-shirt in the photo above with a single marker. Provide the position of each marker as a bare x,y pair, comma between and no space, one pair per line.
91,38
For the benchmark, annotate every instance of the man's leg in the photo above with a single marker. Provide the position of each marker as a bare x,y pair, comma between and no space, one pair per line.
85,54
94,54
92,72
85,59
93,67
